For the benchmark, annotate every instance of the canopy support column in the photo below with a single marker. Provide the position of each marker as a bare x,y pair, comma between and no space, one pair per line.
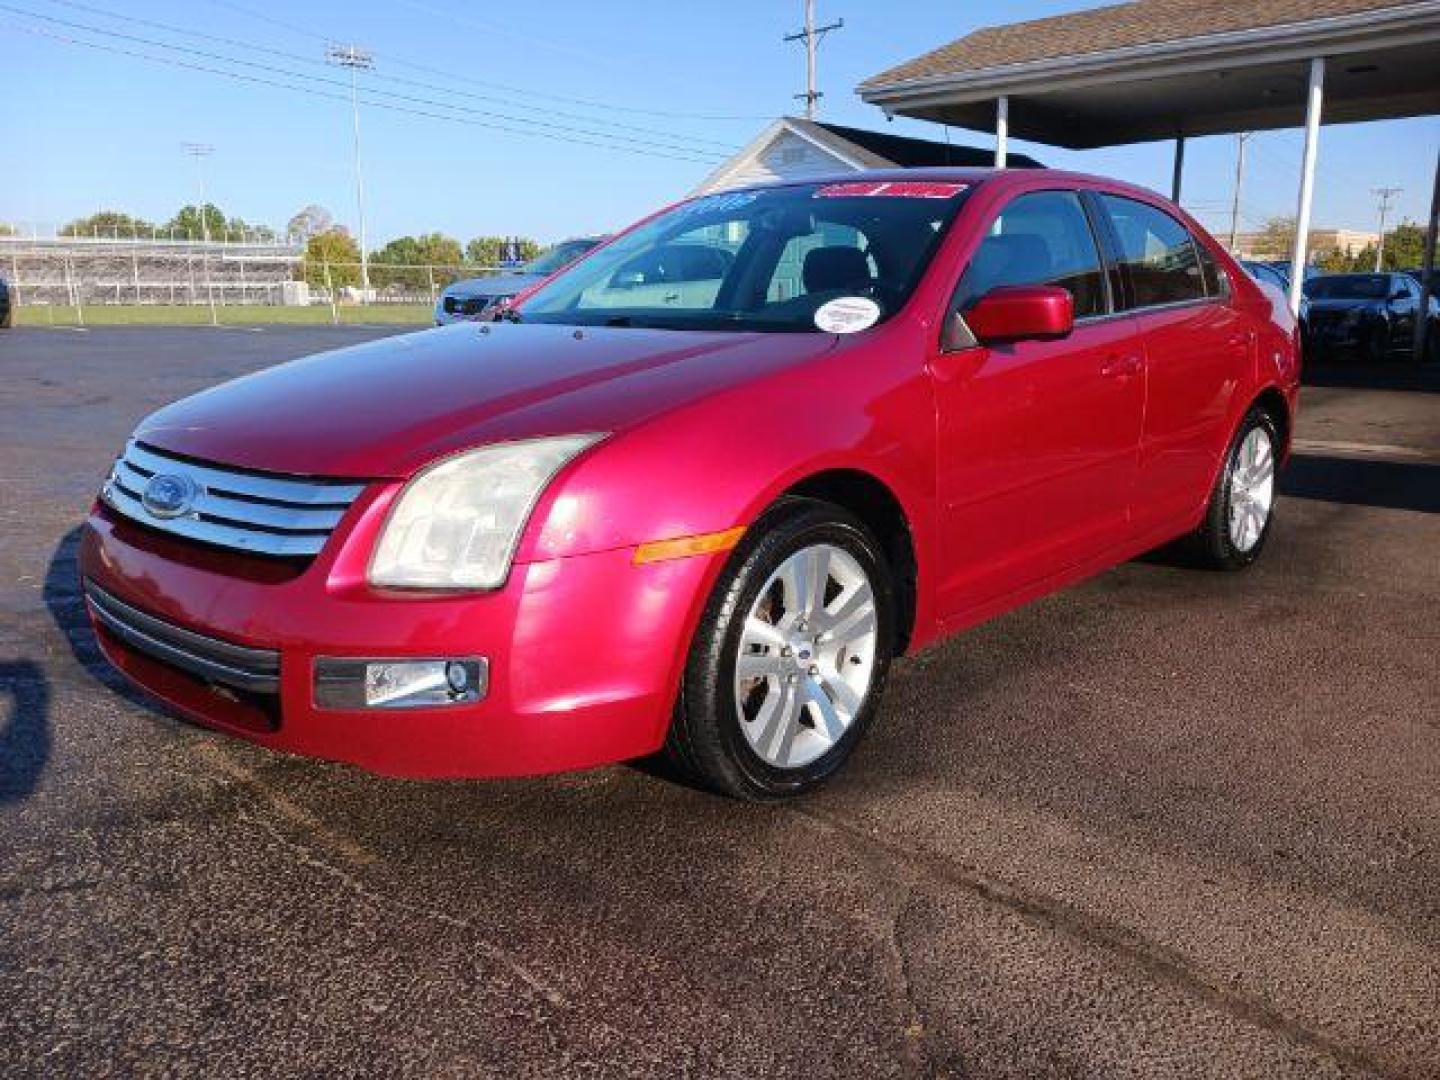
1313,103
1179,170
1427,269
1002,130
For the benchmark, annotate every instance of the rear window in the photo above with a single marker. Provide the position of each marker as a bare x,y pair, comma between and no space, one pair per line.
1157,254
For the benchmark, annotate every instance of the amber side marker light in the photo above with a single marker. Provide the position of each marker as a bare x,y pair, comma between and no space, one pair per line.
684,546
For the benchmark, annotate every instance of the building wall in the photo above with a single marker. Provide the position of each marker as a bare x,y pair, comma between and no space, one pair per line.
1251,244
787,157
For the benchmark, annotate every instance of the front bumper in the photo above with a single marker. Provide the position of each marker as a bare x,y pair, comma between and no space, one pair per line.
584,652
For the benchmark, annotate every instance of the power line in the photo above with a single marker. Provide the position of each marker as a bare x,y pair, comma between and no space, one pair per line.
576,138
399,80
526,91
689,153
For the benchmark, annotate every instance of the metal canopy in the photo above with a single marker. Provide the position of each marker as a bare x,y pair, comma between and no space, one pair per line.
1127,78
1118,108
1158,69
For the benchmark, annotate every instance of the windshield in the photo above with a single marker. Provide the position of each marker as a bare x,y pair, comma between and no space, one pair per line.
562,254
812,257
1349,287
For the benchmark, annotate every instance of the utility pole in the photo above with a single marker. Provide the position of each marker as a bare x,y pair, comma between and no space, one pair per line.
200,151
1241,140
1384,194
356,59
812,36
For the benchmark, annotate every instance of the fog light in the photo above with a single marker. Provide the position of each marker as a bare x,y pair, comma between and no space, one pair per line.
399,684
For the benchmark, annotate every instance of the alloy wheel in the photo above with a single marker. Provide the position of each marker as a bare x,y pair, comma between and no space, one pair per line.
806,657
1252,489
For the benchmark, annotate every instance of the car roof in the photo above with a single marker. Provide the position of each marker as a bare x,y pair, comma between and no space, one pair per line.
1020,178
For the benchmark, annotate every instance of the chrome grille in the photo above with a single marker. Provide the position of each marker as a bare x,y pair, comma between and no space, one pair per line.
259,513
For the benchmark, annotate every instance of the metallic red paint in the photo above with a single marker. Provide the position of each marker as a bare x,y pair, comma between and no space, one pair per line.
1019,467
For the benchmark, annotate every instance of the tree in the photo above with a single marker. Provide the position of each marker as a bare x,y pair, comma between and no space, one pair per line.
239,228
491,250
107,223
310,221
1335,260
1404,247
1276,239
188,223
430,250
336,250
6,229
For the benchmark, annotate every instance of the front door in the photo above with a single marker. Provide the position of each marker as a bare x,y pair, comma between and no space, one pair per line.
1038,440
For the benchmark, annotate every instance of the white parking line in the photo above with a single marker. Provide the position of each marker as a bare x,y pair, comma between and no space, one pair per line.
1324,446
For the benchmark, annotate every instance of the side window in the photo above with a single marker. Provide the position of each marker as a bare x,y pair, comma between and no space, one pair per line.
1216,283
1043,238
1157,253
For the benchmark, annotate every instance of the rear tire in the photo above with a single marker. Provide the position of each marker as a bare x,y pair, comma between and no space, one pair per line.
790,659
1242,504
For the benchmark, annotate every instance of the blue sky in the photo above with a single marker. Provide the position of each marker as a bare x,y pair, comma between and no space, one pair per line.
84,128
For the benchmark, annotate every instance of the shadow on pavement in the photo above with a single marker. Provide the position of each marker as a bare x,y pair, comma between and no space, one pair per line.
25,737
66,605
1422,378
1364,482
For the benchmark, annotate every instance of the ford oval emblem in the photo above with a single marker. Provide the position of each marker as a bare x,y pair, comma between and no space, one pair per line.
168,495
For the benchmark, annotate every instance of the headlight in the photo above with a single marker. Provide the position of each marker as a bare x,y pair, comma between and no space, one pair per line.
455,526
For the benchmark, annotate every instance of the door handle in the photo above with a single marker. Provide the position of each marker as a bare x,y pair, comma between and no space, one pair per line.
1121,367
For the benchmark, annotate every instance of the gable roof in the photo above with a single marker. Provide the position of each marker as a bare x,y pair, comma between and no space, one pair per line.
882,150
860,148
1118,26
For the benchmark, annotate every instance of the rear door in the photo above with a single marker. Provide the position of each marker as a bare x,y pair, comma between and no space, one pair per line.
1197,355
1037,440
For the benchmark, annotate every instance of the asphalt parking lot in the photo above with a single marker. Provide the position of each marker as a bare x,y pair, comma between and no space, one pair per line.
1169,823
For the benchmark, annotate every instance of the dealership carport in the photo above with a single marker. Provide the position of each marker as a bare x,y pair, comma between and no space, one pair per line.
1170,69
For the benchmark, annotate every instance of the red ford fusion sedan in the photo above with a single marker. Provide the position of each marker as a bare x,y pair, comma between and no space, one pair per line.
696,492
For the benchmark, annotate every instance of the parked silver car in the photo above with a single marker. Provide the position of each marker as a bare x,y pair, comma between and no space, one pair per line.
477,298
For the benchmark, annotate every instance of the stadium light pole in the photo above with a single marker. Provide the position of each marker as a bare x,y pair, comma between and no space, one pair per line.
356,59
200,151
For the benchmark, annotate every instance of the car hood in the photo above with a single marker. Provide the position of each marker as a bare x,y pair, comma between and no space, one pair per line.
499,285
387,407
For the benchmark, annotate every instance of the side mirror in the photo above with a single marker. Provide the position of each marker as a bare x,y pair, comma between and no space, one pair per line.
1022,313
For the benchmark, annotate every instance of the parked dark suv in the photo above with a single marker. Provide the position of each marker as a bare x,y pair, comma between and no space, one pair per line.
1373,314
7,309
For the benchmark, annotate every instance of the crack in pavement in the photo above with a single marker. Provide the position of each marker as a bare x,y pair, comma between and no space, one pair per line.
1158,961
916,1051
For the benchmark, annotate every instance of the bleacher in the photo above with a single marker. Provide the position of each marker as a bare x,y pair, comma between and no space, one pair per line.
90,271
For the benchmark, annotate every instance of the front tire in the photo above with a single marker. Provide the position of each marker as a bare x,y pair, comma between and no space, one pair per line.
1237,521
791,656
